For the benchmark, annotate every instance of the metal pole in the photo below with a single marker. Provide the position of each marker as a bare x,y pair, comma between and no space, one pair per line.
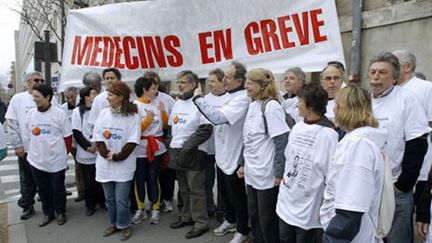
356,38
63,24
47,58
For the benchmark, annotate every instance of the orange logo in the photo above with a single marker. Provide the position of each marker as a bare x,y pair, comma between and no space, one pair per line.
175,119
107,134
36,131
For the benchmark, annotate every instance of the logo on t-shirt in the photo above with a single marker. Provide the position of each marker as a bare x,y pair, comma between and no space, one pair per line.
175,119
180,120
108,135
37,131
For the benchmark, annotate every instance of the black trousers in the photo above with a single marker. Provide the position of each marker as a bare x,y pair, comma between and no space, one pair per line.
293,234
93,192
27,184
236,204
51,190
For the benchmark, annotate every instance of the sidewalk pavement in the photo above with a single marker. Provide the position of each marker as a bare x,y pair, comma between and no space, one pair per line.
80,228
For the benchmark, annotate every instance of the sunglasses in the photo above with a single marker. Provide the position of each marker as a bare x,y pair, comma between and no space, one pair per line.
38,80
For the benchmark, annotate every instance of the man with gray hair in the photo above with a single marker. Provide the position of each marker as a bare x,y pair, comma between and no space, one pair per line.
16,115
404,119
93,80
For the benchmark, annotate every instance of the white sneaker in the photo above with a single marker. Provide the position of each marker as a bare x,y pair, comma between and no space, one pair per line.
239,238
167,206
155,217
224,229
139,216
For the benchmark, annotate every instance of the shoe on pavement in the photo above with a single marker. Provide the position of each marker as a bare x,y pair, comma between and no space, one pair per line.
46,220
68,193
79,198
139,216
110,231
155,217
167,206
195,232
225,228
61,219
239,238
180,224
27,213
90,212
125,233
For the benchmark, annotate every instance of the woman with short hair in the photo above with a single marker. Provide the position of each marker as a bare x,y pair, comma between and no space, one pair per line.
356,172
116,134
265,136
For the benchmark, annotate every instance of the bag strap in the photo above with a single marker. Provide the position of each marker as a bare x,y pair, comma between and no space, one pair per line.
263,109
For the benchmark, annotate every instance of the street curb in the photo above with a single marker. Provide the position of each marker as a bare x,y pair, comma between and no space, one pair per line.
17,232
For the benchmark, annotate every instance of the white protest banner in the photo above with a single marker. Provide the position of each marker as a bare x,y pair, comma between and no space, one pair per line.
173,35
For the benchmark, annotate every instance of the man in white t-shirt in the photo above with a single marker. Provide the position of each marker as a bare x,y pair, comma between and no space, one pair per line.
228,121
188,151
400,113
101,102
16,115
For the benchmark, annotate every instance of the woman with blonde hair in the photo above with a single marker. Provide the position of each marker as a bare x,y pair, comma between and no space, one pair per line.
265,135
355,177
116,134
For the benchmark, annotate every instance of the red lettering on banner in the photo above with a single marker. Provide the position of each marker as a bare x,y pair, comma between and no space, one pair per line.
78,53
108,52
96,50
131,62
141,52
316,24
172,42
268,35
222,46
154,51
118,53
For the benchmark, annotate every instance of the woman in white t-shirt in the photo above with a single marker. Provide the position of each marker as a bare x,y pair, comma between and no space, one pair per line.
117,133
356,172
86,150
310,147
265,136
154,118
50,140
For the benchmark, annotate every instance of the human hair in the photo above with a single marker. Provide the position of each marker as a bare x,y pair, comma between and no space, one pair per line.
266,80
298,72
83,93
92,79
153,75
315,97
121,89
218,73
143,83
71,89
407,57
240,71
389,58
114,70
334,64
420,75
29,76
191,76
354,108
45,90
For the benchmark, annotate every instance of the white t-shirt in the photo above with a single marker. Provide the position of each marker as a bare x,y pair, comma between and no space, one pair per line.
184,121
307,155
229,137
68,112
116,131
259,148
290,107
167,100
422,90
2,137
329,110
19,106
355,179
404,119
83,156
99,103
218,102
155,129
46,130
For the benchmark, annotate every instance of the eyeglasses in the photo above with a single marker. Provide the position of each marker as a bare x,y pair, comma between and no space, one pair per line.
38,80
330,78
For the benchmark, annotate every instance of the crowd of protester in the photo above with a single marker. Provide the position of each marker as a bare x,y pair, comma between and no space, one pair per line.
306,164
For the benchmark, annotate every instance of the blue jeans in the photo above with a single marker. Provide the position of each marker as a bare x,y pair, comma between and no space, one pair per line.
402,226
117,201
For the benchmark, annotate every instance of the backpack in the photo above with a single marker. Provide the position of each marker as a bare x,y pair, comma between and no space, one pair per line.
387,203
288,118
